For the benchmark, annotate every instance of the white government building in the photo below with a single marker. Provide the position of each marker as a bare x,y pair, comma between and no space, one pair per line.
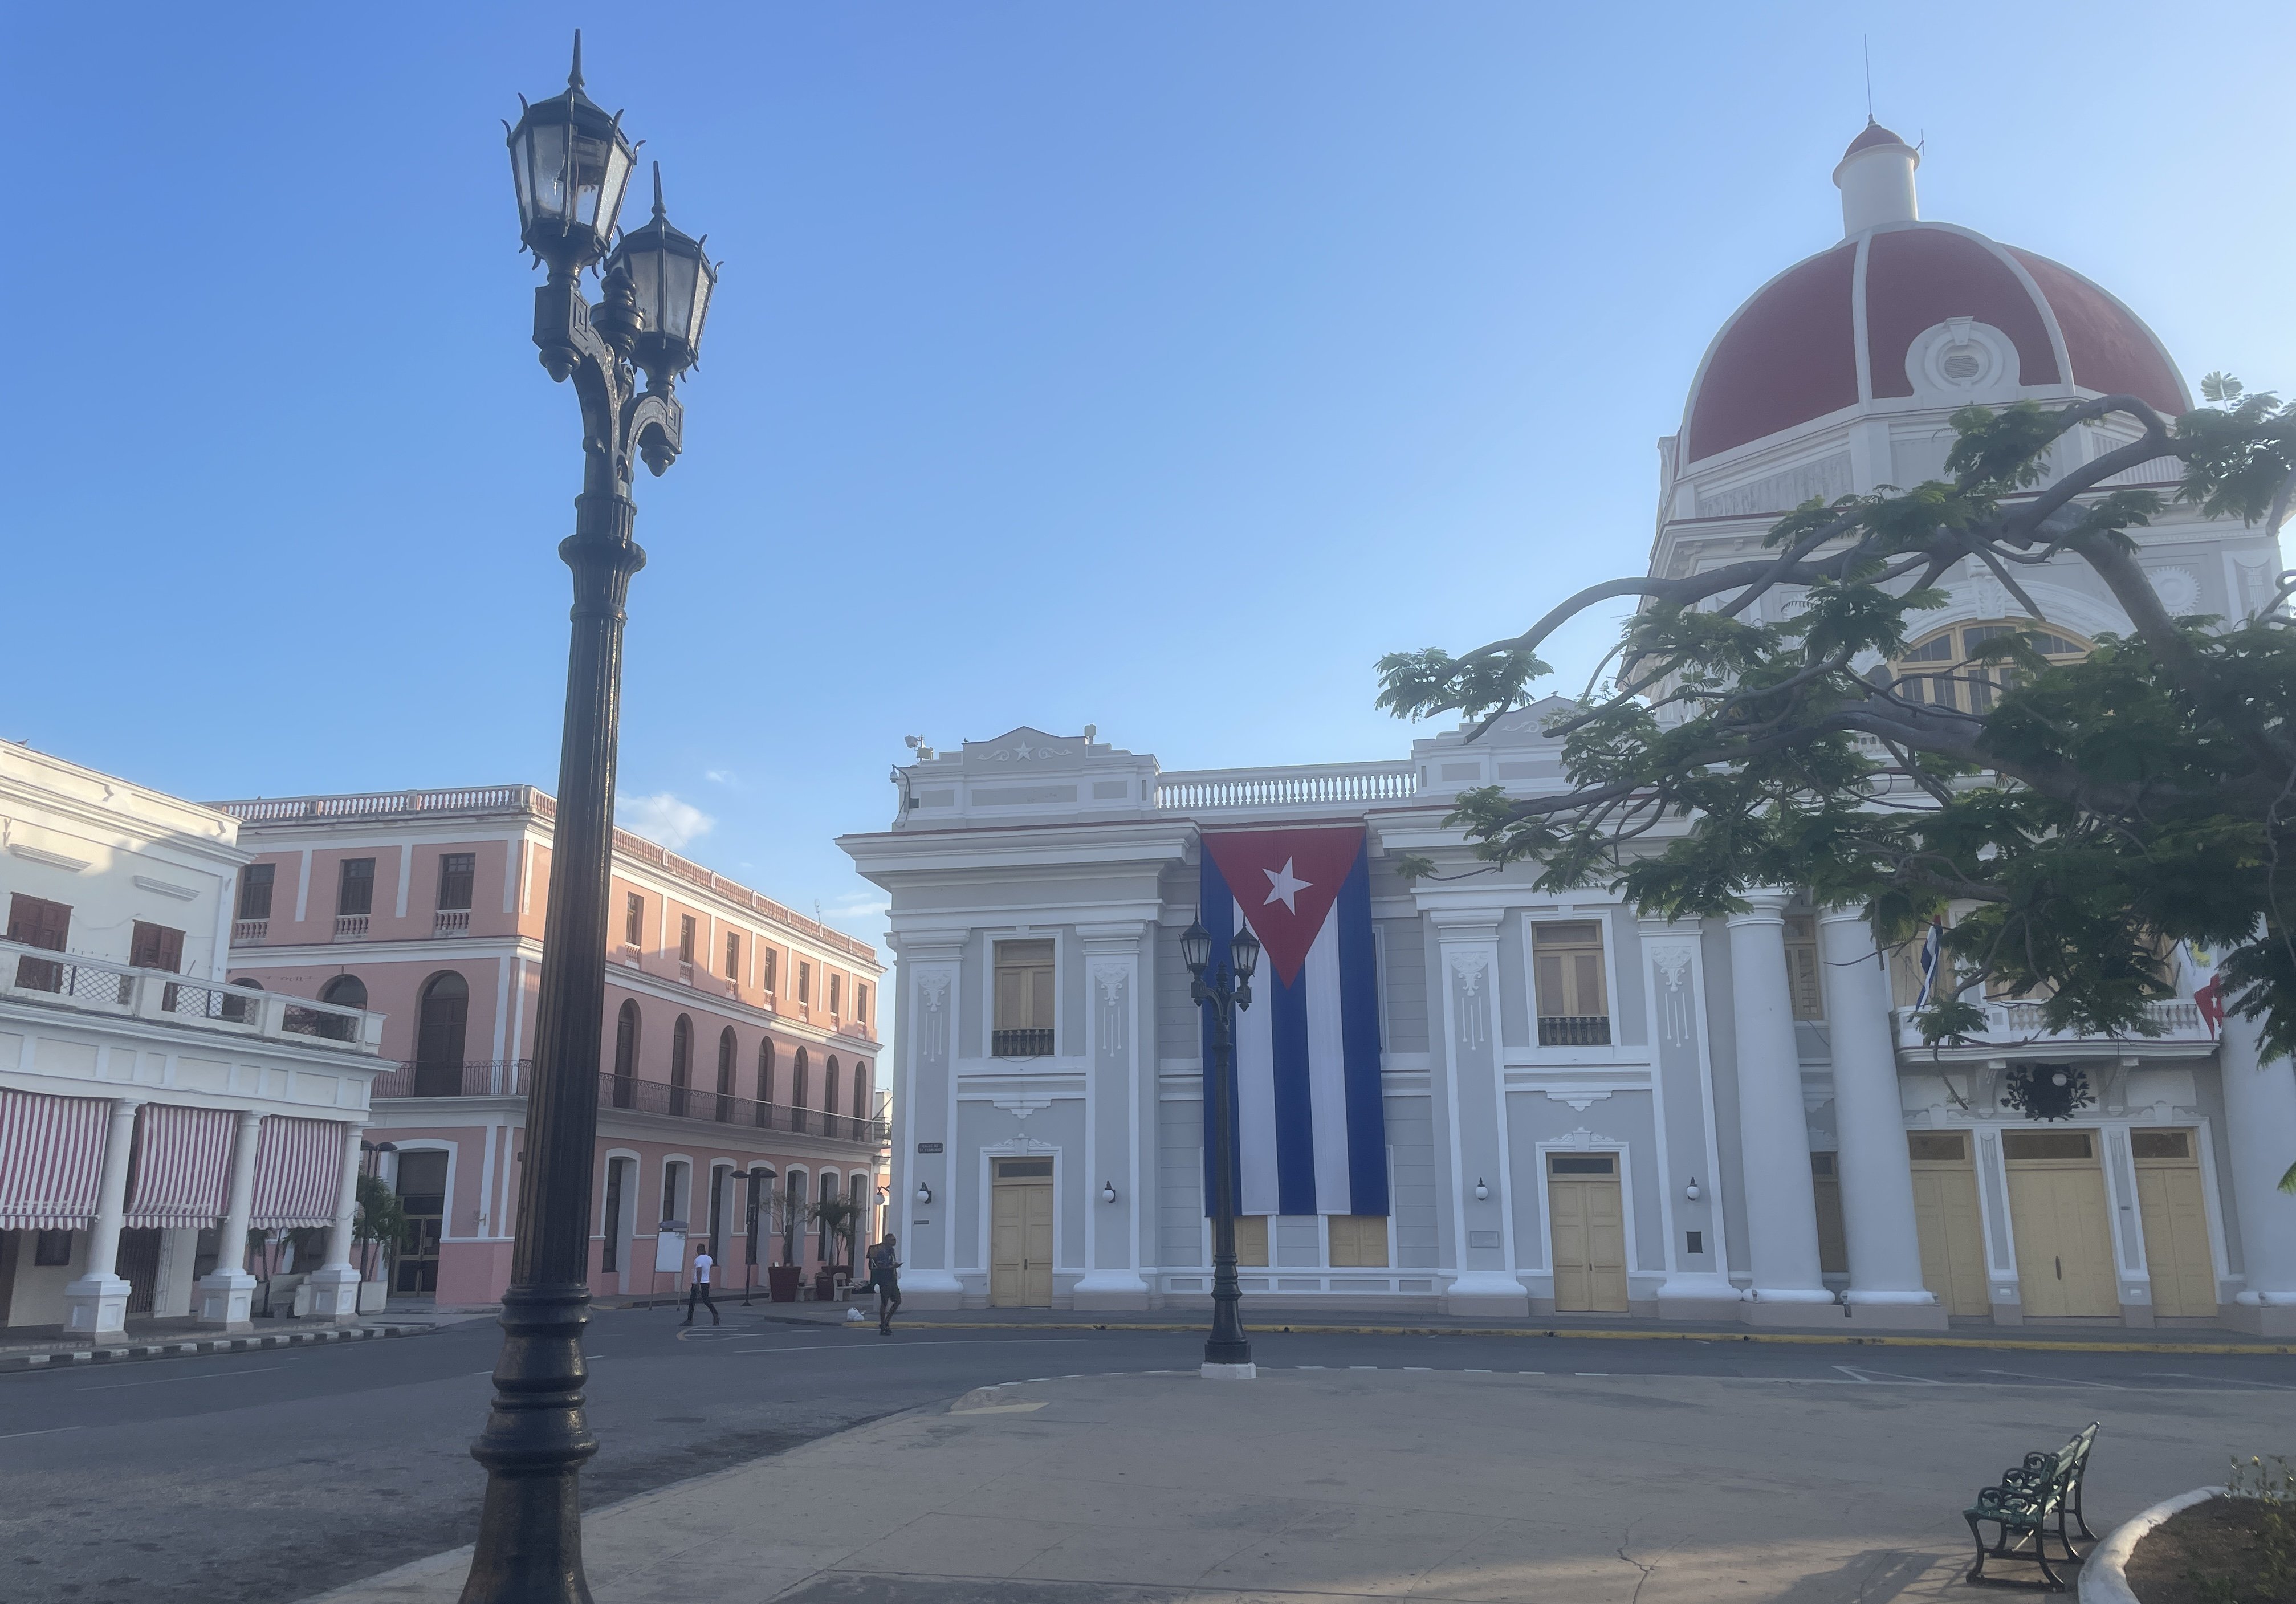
1585,1110
152,1115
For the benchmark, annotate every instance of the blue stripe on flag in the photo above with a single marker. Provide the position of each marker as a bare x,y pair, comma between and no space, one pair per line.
1359,1033
1295,1112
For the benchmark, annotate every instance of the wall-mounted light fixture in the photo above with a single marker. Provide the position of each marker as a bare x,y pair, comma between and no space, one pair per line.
1690,1190
924,1192
1482,1192
1108,1191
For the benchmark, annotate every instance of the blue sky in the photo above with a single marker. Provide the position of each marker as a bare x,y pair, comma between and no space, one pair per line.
1157,366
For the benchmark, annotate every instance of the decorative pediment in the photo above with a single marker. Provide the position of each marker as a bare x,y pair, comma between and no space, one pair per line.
1022,748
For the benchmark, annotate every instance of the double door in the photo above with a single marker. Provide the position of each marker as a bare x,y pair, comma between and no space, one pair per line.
1021,1234
2063,1229
1587,1227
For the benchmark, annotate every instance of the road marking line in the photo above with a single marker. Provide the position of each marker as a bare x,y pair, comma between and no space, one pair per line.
43,1431
1590,1372
855,1347
1475,1372
1419,1367
2055,1380
2233,1380
214,1376
1885,1378
1368,1367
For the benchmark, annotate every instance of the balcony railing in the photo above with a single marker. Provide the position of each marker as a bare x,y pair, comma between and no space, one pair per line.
30,974
1300,785
244,931
451,922
1020,1043
350,926
1574,1030
685,1102
476,1077
2020,1024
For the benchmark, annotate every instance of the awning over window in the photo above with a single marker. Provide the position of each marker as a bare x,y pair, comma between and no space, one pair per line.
50,1160
298,1173
182,1165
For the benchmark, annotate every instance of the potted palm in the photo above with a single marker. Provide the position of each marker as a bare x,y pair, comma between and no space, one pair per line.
378,1222
838,1214
781,1278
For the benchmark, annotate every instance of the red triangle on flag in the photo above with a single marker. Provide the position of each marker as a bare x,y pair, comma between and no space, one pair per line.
1286,881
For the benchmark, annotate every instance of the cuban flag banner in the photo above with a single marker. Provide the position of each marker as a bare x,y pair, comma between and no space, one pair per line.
1311,1132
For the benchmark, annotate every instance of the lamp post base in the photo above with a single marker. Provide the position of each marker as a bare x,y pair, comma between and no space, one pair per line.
1246,1371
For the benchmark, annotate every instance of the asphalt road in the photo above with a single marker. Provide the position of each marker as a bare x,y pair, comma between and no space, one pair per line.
270,1476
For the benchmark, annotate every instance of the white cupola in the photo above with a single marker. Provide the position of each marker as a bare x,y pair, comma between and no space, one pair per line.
1875,177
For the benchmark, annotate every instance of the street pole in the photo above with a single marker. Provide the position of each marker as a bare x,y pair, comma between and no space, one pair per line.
572,164
1227,1350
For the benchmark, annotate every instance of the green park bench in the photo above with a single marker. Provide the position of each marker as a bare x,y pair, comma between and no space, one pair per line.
2043,1491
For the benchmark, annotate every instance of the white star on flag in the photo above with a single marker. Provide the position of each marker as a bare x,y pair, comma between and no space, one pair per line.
1283,884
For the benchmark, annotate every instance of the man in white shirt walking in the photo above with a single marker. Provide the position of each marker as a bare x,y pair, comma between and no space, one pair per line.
702,1265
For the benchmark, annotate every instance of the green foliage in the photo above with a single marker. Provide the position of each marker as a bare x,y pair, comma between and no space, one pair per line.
839,1214
379,1217
2094,814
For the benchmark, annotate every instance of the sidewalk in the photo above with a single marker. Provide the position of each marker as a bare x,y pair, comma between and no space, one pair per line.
1318,1486
34,1347
1374,1321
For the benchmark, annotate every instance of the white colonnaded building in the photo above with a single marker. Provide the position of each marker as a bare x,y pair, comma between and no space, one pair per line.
1553,1105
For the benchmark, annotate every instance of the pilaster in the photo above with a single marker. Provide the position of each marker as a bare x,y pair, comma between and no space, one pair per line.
1697,1285
2260,1129
1112,981
924,1182
1466,984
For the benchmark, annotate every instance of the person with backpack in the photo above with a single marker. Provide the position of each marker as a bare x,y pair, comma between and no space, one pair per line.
884,1275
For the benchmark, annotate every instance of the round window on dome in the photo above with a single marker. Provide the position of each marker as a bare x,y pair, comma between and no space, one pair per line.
1962,363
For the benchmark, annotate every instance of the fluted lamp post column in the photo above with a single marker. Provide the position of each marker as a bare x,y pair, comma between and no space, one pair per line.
1227,1350
571,163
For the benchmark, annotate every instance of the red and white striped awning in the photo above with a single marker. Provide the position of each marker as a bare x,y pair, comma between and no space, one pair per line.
50,1160
298,1173
182,1165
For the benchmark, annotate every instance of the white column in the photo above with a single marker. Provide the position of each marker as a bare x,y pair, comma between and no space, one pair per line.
1465,987
1112,1278
2260,1129
1877,1182
335,1284
1773,1132
227,1291
96,1303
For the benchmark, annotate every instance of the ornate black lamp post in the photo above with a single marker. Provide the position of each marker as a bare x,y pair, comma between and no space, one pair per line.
572,163
1227,1350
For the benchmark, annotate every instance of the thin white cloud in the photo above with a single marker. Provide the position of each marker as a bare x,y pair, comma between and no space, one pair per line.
663,817
720,777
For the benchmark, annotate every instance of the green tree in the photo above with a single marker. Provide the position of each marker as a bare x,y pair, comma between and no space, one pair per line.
841,1214
378,1218
2095,813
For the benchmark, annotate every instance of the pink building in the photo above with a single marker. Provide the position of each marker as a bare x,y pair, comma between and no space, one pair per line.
739,1035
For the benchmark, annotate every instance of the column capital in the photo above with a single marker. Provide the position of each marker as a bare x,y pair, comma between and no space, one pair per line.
1456,925
1834,913
1765,905
929,946
1118,938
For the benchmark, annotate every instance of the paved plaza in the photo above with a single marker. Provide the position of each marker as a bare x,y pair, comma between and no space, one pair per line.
1842,1481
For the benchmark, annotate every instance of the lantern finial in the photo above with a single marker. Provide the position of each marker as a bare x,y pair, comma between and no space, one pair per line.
574,78
657,191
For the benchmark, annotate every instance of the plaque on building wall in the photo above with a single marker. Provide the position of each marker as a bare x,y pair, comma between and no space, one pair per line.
928,1146
1482,1238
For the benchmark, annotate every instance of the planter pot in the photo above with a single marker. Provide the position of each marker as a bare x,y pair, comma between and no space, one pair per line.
782,1280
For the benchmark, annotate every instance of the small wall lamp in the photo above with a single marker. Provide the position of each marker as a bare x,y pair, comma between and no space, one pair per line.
1108,1191
1482,1192
924,1192
1690,1190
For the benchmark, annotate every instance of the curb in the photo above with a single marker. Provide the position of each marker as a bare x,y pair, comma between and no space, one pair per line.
1814,1338
65,1358
2104,1574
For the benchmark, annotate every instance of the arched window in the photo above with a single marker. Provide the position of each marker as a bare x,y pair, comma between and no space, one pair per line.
826,1246
793,1219
1936,670
725,1077
681,1063
765,1082
796,1091
829,1098
860,1092
345,991
441,1016
626,1054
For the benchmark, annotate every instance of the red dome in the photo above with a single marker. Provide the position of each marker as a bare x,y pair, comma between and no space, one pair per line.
1792,353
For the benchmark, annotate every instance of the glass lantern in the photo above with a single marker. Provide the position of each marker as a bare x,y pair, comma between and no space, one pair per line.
570,162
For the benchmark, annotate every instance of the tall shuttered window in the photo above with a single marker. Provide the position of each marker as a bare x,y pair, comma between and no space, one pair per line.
685,928
634,920
458,872
255,883
733,955
355,889
1023,1026
1803,973
1574,1007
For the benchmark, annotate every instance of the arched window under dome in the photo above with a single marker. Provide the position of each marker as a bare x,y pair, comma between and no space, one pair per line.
1936,668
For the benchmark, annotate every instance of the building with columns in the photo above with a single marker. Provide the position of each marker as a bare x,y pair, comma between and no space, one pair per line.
740,1036
1585,1111
152,1115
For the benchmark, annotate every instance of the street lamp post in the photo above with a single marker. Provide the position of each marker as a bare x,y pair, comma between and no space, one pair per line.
1227,1350
571,163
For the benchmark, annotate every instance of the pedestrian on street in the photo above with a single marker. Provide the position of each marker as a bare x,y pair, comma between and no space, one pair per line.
702,1265
884,1270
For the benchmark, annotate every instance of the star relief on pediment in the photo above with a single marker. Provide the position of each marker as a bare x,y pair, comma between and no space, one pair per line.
1023,745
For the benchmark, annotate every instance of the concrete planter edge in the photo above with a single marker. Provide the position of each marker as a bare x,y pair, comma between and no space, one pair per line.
2104,1574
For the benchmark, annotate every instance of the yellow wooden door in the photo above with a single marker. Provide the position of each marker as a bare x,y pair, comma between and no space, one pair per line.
1021,1245
2063,1234
2170,1198
1588,1225
1946,1217
1358,1241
